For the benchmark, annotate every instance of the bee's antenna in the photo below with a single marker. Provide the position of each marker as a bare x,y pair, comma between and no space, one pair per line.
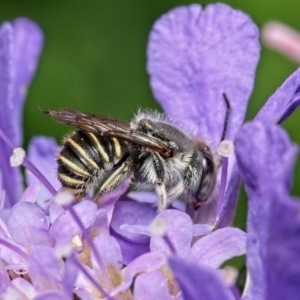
44,111
227,115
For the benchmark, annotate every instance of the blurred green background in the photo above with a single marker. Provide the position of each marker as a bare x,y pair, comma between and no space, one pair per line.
94,59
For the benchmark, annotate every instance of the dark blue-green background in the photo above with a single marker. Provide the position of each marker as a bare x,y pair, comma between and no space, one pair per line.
94,59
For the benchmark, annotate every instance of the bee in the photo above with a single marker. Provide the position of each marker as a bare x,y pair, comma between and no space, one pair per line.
150,151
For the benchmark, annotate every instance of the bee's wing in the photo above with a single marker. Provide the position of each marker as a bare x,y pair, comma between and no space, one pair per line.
108,127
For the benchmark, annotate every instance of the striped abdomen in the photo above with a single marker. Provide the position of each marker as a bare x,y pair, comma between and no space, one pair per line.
85,158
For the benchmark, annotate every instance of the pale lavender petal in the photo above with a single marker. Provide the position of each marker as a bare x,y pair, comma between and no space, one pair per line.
269,153
144,197
151,285
132,213
13,258
31,192
28,225
201,229
108,201
143,264
110,253
55,210
51,295
28,43
194,56
69,278
265,158
42,152
228,206
180,232
65,228
215,248
12,179
100,225
283,102
45,273
130,250
24,286
198,282
151,198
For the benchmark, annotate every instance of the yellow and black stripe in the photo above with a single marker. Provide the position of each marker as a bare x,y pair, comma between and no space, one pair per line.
85,158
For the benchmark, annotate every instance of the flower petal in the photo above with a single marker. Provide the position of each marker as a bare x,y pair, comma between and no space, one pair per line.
151,285
69,278
108,201
31,192
180,232
28,43
51,295
283,102
194,56
45,273
65,228
198,282
145,263
132,213
264,152
217,247
41,152
23,285
130,250
110,252
28,225
12,179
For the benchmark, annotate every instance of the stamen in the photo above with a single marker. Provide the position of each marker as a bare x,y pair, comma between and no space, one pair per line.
27,164
88,276
159,228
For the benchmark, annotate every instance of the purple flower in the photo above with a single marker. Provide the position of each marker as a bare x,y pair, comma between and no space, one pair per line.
266,158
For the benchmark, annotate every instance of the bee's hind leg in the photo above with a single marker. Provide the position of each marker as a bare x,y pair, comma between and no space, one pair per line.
117,177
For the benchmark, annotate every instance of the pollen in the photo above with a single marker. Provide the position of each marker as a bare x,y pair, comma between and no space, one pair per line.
17,157
225,148
158,227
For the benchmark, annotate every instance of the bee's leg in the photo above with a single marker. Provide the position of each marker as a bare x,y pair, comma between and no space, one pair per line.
117,177
160,188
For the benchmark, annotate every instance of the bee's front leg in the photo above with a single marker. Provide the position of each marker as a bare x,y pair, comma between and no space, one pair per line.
160,187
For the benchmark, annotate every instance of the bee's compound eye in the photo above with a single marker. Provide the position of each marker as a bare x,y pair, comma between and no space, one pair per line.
207,182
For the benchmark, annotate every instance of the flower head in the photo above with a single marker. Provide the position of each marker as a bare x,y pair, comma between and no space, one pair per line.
195,55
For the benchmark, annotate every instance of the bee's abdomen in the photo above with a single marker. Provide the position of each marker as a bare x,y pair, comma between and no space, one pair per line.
85,158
